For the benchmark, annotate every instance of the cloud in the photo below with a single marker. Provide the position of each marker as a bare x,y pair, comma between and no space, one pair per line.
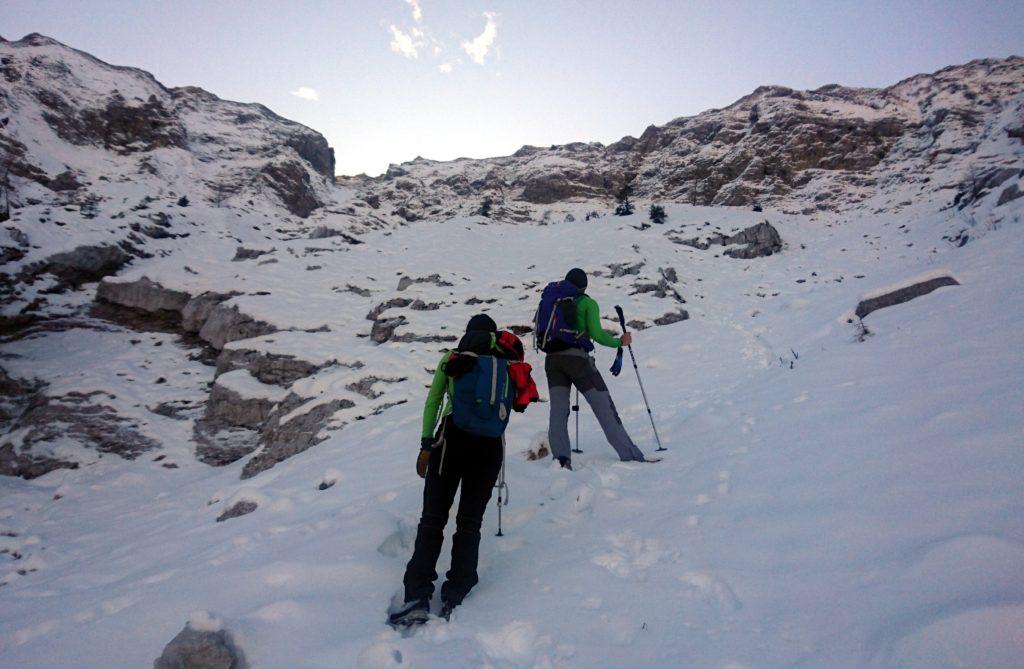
478,47
306,93
417,11
403,43
445,67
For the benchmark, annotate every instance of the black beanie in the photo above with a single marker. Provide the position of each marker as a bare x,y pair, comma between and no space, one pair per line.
481,323
577,277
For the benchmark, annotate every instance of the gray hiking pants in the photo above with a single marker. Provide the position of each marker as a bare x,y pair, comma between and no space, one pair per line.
576,367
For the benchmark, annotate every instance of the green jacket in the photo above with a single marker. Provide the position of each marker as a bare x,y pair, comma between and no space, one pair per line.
442,386
588,323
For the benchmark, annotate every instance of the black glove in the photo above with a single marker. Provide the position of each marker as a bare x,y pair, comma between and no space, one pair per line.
427,443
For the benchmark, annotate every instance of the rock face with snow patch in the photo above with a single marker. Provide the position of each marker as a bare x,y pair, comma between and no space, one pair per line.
113,146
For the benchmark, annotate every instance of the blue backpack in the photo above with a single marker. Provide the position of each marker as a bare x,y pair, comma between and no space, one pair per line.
482,397
555,322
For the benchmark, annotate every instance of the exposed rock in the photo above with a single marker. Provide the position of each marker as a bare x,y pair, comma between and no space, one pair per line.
1009,194
425,339
142,294
66,180
625,269
219,444
281,440
669,274
28,465
420,305
662,289
242,253
396,302
383,329
324,232
672,317
365,385
226,323
202,649
198,309
435,279
226,405
73,415
313,148
239,508
83,264
177,409
290,181
904,294
271,368
761,240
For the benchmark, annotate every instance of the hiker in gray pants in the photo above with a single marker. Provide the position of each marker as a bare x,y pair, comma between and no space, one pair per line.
574,366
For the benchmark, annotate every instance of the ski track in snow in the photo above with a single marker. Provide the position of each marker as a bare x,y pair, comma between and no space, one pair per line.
823,502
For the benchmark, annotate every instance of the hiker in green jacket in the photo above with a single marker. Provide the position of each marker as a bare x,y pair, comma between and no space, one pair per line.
467,458
569,363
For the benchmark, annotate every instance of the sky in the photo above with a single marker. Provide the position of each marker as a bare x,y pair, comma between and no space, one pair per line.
389,80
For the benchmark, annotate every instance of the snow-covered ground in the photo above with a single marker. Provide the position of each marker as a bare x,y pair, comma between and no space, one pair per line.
828,499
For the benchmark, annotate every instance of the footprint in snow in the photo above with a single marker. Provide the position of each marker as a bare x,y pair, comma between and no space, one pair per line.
399,542
724,482
711,589
630,556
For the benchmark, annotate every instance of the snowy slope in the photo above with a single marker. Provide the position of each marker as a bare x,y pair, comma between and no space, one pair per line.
836,492
860,507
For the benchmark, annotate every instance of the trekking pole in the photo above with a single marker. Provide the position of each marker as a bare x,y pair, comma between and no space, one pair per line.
502,486
576,408
622,322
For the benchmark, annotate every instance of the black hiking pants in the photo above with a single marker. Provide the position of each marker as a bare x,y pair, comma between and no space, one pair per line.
465,460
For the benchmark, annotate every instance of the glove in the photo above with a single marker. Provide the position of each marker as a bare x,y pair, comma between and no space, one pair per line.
422,461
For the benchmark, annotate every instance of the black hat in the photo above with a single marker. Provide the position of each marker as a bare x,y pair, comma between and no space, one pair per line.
577,277
481,323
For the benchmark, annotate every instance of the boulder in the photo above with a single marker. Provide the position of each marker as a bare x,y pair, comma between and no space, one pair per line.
240,508
672,317
83,264
226,323
761,240
208,647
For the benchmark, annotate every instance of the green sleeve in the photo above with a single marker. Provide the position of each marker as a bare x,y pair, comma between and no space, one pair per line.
588,318
435,397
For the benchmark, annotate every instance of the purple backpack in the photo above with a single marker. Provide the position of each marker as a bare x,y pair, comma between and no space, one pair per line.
555,322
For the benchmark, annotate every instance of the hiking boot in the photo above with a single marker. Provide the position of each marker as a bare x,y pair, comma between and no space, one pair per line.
411,613
446,609
564,462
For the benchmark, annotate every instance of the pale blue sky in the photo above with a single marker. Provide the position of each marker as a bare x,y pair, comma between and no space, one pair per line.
547,71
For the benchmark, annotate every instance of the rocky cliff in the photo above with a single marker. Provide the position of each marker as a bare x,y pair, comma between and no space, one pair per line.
828,149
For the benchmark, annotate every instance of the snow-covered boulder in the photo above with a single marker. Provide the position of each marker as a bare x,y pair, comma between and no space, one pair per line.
204,643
